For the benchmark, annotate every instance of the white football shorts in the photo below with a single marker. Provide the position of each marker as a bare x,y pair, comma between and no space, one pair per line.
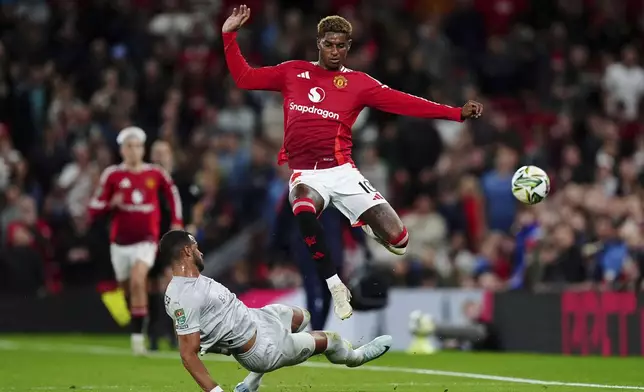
343,186
275,345
125,256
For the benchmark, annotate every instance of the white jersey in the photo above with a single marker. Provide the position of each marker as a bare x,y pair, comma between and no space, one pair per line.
205,306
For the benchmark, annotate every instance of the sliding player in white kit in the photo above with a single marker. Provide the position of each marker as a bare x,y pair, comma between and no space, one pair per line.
209,318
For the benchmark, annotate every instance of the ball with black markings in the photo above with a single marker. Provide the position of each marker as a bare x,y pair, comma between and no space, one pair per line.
530,185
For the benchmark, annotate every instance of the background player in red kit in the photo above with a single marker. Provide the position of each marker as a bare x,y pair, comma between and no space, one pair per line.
130,190
322,100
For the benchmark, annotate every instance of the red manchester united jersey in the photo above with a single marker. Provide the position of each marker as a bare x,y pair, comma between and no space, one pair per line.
137,219
321,106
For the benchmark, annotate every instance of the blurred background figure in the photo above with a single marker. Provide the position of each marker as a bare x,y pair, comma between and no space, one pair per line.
160,326
129,193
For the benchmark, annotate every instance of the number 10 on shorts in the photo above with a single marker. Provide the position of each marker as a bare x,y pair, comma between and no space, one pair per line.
366,185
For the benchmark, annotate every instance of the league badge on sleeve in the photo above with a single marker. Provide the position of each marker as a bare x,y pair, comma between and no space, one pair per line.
180,318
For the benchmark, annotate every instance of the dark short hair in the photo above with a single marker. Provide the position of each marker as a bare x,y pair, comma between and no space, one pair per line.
172,243
334,24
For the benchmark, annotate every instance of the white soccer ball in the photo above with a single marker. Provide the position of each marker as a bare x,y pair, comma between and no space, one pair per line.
530,185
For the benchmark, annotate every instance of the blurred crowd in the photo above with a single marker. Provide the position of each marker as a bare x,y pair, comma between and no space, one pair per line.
561,81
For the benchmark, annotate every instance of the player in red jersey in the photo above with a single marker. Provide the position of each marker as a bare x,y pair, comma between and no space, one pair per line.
322,100
130,190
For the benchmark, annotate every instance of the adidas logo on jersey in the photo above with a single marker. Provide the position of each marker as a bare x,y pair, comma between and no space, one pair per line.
304,75
125,183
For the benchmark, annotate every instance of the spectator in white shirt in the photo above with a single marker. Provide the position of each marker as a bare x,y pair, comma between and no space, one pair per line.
427,228
237,117
76,178
624,84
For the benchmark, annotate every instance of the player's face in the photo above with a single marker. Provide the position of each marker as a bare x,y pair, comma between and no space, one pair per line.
333,50
197,257
132,150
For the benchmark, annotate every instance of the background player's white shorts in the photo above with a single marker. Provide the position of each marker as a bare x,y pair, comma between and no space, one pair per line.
275,345
124,257
344,186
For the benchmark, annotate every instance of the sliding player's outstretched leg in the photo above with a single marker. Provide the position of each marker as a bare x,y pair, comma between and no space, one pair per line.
299,347
277,348
383,224
339,351
307,204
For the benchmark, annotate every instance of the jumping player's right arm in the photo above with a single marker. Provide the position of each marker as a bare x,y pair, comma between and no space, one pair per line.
185,314
247,77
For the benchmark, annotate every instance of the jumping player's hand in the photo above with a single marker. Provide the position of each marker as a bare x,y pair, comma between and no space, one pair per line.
236,19
472,109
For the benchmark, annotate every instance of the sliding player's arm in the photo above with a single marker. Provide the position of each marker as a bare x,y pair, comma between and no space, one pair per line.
189,348
185,315
381,97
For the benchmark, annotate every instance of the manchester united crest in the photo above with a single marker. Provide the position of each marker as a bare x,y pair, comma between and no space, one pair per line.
150,183
340,81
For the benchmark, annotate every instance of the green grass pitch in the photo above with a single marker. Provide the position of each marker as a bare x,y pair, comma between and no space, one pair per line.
103,363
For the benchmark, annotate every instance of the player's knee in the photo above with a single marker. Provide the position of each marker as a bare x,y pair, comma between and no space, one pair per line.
398,238
138,280
306,320
301,319
303,205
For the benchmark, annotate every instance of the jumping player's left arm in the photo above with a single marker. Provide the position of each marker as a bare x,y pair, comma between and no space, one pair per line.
174,200
185,316
379,96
